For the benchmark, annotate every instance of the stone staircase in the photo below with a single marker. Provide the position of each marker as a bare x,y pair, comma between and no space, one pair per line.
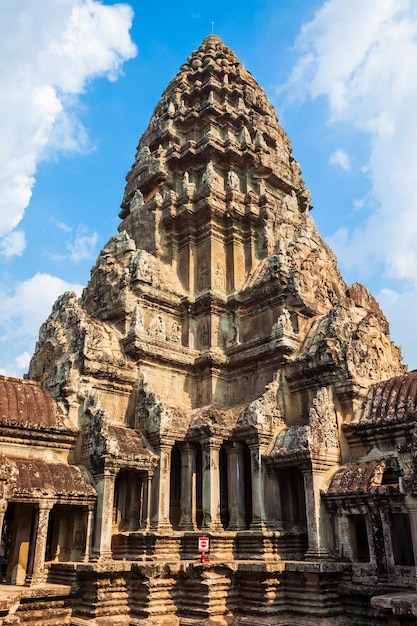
43,605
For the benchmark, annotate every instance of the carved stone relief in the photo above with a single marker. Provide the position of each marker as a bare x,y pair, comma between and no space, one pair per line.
157,327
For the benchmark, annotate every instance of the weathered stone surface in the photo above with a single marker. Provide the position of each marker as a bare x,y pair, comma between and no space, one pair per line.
216,376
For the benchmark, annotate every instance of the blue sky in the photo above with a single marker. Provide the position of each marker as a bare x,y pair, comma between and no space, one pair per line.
80,79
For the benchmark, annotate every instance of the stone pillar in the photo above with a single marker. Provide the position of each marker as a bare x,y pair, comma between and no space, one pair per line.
211,483
253,239
287,502
272,499
316,515
370,535
192,278
135,506
344,535
143,502
376,537
386,533
89,530
146,500
161,489
188,486
411,506
104,515
39,537
3,509
258,512
236,486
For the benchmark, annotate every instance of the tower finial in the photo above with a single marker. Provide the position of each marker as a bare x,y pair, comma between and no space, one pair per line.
212,28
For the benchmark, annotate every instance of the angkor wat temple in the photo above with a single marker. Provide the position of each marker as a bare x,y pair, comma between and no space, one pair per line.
216,378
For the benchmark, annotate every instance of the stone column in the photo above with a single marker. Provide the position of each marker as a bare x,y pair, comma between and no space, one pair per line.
376,539
236,486
146,500
142,502
288,503
161,489
258,512
253,240
88,536
317,544
39,537
344,535
3,509
188,486
370,535
135,497
272,499
191,253
386,533
104,515
211,483
411,506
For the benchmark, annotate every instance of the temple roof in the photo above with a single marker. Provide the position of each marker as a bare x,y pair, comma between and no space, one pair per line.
213,110
362,478
24,403
395,398
34,479
216,418
211,49
125,444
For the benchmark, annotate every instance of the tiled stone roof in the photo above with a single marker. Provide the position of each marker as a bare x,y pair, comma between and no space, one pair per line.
126,443
26,403
36,479
360,478
394,398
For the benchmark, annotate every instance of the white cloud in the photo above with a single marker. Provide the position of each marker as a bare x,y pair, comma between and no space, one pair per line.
79,245
340,158
359,204
24,308
362,58
400,308
61,225
13,244
18,366
22,360
49,51
83,246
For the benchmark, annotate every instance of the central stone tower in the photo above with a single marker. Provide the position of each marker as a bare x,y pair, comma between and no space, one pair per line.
216,356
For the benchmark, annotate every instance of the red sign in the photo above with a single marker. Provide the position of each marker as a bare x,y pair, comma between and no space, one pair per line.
203,544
